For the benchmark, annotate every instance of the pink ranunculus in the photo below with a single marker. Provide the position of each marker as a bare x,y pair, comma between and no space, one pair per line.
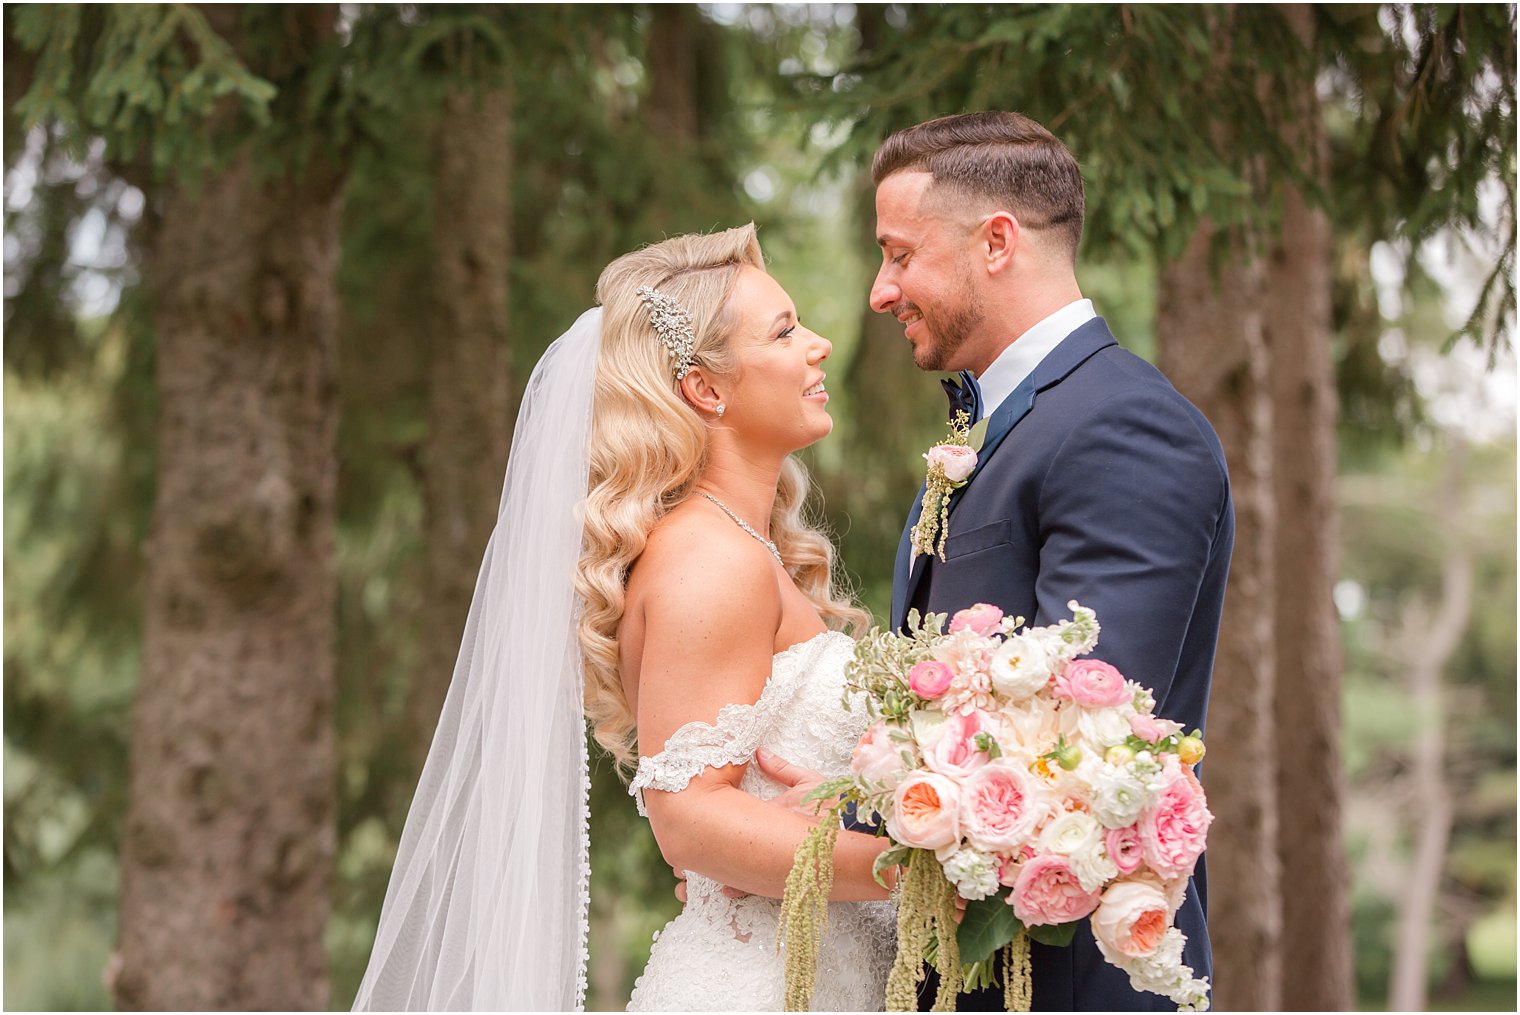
1001,804
958,460
1172,832
1048,892
877,759
983,619
1132,918
925,812
1092,683
1124,849
930,679
954,752
1152,729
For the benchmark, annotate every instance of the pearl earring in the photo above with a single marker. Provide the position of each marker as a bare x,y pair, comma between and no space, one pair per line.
721,409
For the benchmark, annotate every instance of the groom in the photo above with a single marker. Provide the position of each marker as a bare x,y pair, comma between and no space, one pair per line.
1096,480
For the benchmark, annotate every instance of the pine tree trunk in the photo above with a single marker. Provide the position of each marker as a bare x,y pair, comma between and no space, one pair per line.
1209,341
1296,323
469,388
671,109
228,849
1427,643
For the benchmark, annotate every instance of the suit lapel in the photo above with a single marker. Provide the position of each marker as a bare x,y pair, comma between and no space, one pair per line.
904,564
1074,350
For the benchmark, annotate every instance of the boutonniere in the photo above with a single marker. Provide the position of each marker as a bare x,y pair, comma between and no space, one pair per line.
951,463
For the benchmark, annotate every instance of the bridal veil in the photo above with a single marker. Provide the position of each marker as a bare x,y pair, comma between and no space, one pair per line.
486,908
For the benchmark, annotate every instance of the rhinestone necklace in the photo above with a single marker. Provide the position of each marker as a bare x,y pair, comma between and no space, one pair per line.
745,526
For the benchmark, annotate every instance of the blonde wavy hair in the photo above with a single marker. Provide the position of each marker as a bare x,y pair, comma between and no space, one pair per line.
649,449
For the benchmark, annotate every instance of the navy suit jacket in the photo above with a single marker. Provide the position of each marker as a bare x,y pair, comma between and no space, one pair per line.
1097,482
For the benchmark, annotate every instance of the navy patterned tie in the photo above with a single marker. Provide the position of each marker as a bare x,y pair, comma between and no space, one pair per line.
964,397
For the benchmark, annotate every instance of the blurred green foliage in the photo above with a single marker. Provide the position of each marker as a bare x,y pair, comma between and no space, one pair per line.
787,101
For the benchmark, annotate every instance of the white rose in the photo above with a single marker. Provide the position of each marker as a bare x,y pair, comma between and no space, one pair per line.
1030,725
1098,728
1119,795
1093,867
1071,833
925,724
1020,667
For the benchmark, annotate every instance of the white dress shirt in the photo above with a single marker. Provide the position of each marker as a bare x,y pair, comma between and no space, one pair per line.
1025,353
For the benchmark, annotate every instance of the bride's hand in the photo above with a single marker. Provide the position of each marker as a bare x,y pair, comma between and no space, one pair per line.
799,782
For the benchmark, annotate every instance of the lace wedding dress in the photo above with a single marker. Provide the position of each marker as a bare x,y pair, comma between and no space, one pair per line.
720,954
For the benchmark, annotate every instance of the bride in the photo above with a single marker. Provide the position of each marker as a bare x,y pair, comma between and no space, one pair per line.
650,572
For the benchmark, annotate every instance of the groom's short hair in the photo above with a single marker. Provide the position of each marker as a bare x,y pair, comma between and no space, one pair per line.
993,157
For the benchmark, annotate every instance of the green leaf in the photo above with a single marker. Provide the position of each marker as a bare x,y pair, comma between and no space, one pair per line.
978,434
830,788
1058,936
892,857
989,924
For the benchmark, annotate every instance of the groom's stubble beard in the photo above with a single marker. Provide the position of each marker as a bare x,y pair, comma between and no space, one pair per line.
950,327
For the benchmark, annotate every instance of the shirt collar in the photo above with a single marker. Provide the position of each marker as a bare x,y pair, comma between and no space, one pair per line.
1024,353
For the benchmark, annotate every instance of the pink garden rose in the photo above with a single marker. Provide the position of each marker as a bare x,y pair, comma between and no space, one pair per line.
877,760
954,752
930,679
1001,804
1172,832
1047,892
1132,918
925,812
1092,683
983,619
1152,729
958,460
1123,846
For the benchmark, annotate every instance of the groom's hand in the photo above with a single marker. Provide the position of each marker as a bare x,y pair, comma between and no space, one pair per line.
732,893
799,782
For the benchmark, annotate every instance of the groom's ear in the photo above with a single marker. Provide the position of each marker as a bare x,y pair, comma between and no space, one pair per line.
699,392
1000,239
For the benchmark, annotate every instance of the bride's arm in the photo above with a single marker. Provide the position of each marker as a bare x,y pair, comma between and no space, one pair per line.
709,636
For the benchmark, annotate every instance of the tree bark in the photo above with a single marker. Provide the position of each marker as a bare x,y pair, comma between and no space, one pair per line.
1427,644
1307,691
672,107
469,383
1209,342
228,850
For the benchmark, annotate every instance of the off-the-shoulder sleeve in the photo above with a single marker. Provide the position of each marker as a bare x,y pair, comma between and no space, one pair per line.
698,745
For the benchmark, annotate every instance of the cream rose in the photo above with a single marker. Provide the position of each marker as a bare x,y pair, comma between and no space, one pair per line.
925,812
1132,918
957,460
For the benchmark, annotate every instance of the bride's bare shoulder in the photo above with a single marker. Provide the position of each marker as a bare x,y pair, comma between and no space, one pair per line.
698,563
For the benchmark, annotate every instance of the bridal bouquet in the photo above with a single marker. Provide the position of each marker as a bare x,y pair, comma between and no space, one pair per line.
1037,786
